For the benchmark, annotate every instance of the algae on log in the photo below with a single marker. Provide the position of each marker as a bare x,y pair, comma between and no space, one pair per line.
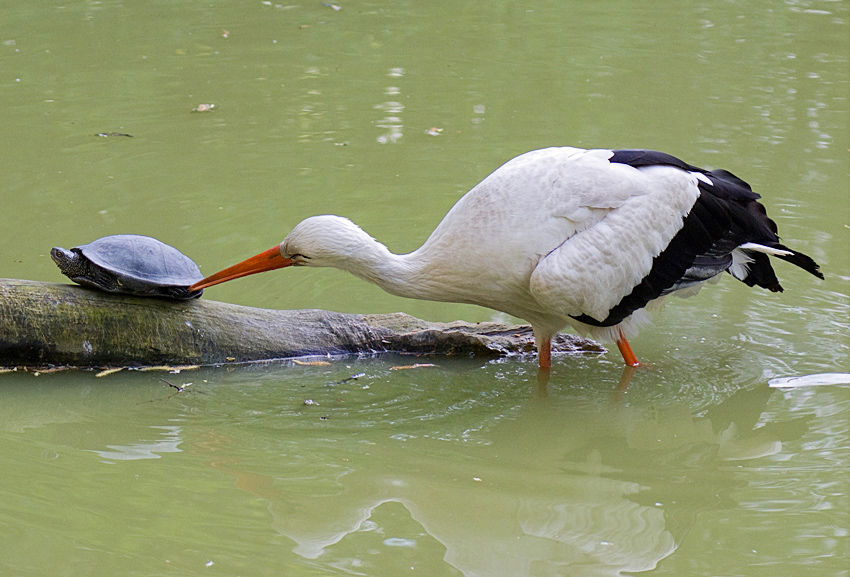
45,324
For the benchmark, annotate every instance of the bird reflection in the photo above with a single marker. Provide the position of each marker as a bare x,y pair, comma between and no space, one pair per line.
603,509
545,373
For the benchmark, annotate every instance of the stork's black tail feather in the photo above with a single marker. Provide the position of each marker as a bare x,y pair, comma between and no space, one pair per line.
760,271
801,260
757,227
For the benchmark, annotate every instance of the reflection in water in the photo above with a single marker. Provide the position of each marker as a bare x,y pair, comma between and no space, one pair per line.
544,374
573,510
587,523
602,532
146,449
391,123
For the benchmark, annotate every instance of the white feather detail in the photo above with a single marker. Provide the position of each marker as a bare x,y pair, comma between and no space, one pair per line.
740,267
703,178
765,249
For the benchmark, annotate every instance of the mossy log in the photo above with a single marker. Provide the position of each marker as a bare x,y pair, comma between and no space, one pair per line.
46,324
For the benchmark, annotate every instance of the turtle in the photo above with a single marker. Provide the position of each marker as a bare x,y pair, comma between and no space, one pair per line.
130,264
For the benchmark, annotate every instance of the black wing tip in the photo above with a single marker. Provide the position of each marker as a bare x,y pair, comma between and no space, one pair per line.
760,272
801,260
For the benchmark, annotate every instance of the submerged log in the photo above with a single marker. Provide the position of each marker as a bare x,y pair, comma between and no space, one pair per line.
43,324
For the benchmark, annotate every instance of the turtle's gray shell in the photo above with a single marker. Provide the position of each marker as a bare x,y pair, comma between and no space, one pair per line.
140,265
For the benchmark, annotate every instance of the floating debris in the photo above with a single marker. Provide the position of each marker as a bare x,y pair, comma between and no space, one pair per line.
416,366
332,6
203,108
810,380
433,131
310,403
109,134
311,363
171,369
48,370
106,372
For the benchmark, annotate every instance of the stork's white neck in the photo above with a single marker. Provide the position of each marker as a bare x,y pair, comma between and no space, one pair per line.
445,268
334,241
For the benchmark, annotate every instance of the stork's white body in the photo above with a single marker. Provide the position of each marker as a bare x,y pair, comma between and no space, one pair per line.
553,233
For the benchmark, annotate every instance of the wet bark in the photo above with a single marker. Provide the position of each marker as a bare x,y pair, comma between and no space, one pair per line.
45,324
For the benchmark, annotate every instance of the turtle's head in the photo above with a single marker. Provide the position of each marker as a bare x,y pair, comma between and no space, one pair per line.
66,260
61,256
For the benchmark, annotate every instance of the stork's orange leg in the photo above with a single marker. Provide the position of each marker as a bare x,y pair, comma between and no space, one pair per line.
544,353
626,350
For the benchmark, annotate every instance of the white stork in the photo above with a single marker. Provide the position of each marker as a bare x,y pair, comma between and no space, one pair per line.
563,237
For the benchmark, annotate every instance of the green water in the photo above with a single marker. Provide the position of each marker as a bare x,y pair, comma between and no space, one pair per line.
469,467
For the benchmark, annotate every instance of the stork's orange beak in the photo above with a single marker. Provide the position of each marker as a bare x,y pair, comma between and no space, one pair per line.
268,260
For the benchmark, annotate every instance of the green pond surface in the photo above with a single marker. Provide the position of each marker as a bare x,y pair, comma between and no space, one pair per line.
387,112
